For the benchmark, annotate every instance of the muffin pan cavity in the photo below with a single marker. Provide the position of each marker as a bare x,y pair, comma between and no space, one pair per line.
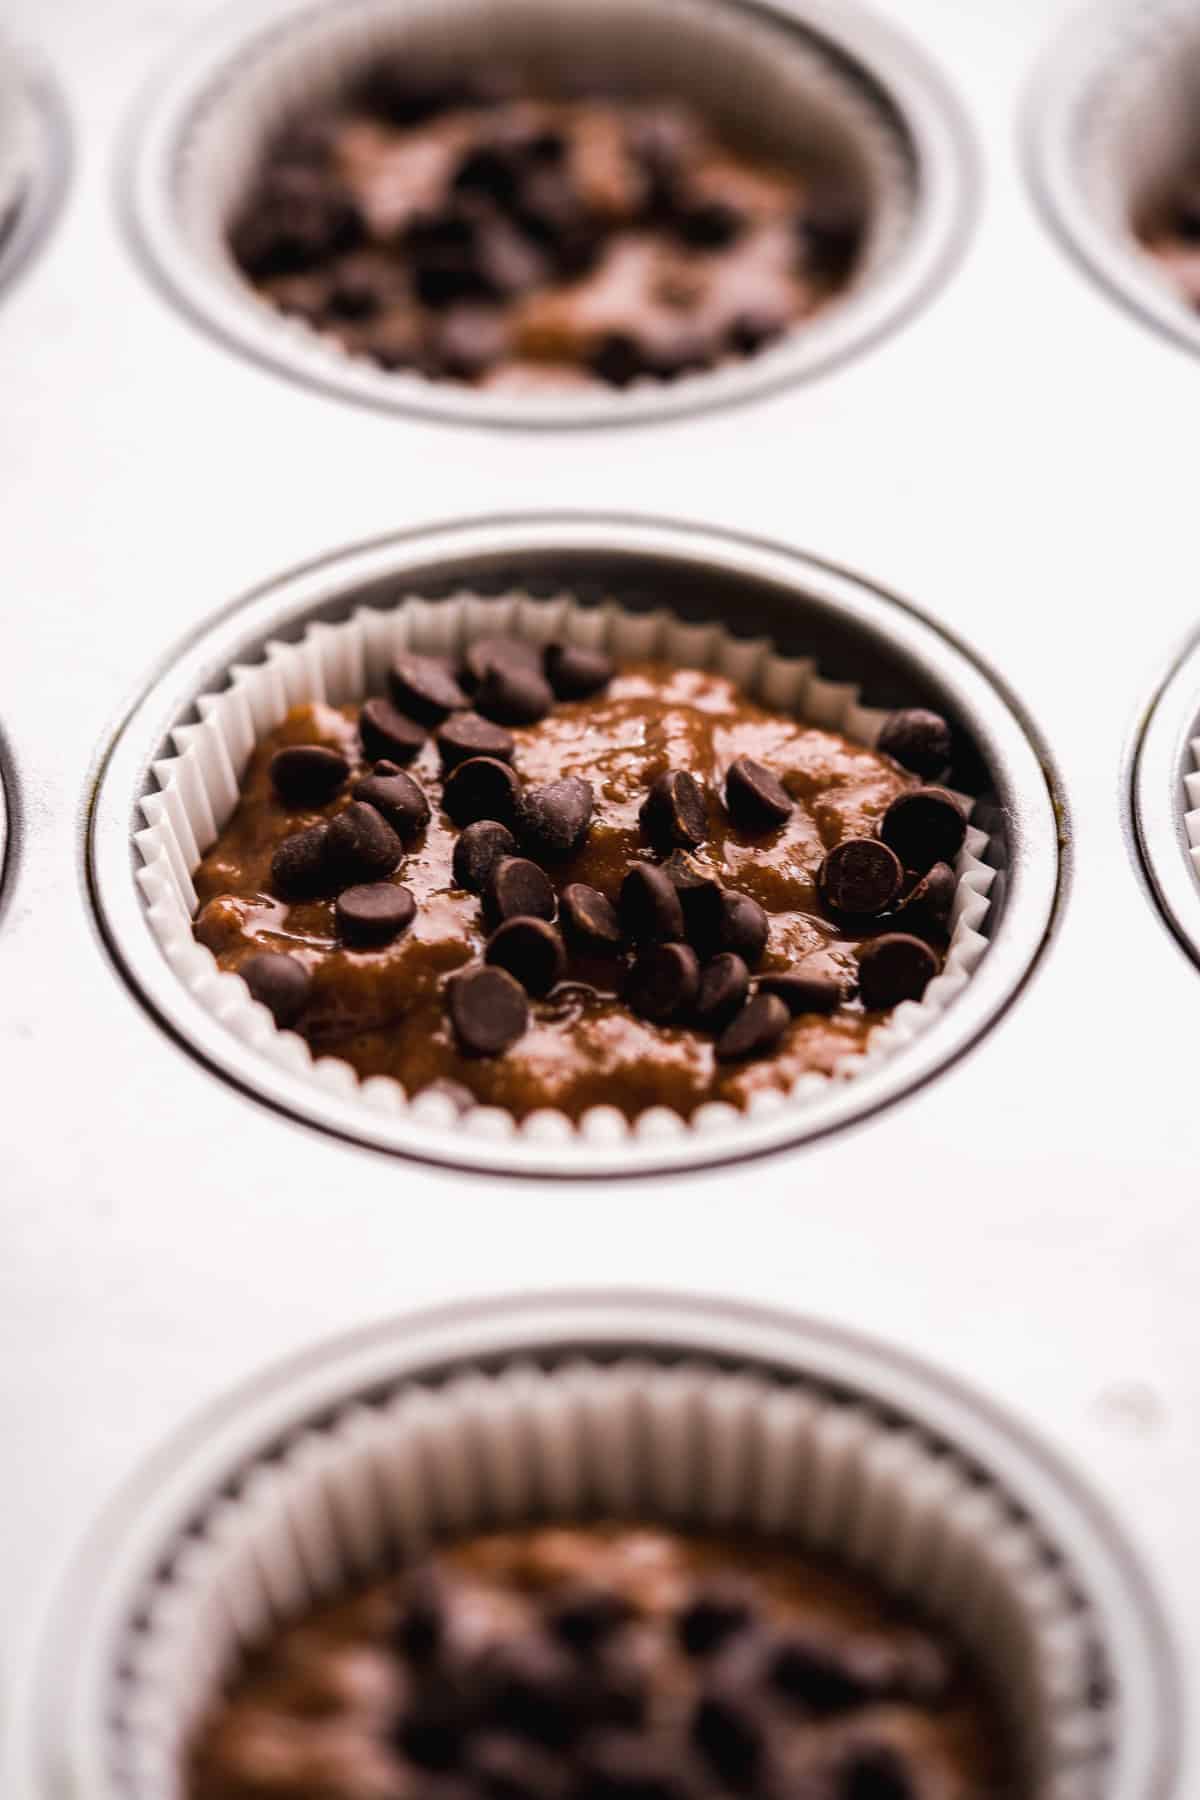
33,156
1165,799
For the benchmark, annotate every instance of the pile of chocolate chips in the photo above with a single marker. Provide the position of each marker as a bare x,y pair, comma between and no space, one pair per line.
566,1710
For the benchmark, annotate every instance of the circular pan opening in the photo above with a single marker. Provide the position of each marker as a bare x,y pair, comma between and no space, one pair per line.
855,632
1165,798
1111,130
901,141
34,155
100,1726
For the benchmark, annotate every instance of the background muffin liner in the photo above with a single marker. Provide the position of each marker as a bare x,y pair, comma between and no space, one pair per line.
681,1441
17,139
770,85
1191,817
198,789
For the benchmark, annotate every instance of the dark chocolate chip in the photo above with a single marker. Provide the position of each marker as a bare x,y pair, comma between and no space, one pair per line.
529,949
875,1772
588,919
431,1733
674,814
360,844
755,1030
893,968
924,826
724,985
716,1612
504,1768
649,907
552,821
829,234
818,992
757,800
513,695
918,740
424,687
1185,213
466,734
729,1730
742,927
374,913
478,851
399,798
860,877
307,774
575,673
812,1675
486,654
298,867
490,169
280,982
587,1617
517,888
618,359
468,341
926,910
387,733
701,897
420,1630
488,1009
535,1687
481,788
663,981
710,224
626,1765
752,331
288,230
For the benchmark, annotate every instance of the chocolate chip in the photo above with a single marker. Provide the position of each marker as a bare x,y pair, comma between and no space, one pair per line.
724,985
801,993
513,695
307,774
298,867
752,331
893,968
918,740
617,359
757,800
488,1010
468,341
486,654
280,982
756,1029
587,1617
466,734
535,1687
424,688
663,981
432,1734
517,888
1185,213
478,851
388,733
674,813
420,1631
742,927
626,1765
875,1772
398,797
481,788
924,826
504,1768
710,225
529,949
289,229
575,673
716,1612
730,1732
813,1676
701,898
588,919
926,910
374,913
553,820
829,232
361,845
649,907
490,169
860,877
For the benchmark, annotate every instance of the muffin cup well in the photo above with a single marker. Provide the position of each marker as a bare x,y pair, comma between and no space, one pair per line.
798,82
33,155
612,1407
1165,798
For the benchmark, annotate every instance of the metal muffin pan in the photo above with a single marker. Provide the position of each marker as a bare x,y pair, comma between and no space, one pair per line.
183,179
34,156
1163,760
137,1578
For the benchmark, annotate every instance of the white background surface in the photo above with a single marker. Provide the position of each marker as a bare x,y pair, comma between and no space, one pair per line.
1018,460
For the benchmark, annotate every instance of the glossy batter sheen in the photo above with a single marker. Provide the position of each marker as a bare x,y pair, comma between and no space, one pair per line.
383,1010
309,1717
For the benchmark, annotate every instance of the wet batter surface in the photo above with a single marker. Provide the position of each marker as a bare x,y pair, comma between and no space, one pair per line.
610,1662
519,243
384,1009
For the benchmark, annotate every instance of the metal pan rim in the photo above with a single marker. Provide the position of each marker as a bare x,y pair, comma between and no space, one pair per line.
1159,760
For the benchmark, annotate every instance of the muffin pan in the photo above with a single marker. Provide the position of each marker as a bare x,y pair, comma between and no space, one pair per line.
698,1414
831,88
33,156
1165,798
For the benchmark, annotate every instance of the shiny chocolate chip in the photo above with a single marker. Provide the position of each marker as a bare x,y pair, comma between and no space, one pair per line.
477,852
617,359
742,926
700,896
552,821
811,1673
467,734
649,907
753,330
360,845
663,981
298,867
817,992
586,1617
860,877
488,1010
926,910
388,733
516,887
875,1772
307,774
755,1030
421,1628
924,826
575,673
917,739
398,797
282,984
757,800
589,920
481,788
674,815
710,225
424,688
487,653
536,1690
716,1612
729,1729
893,968
513,695
531,950
724,985
374,913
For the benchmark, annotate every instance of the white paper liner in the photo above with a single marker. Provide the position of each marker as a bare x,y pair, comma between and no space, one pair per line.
685,1443
198,789
17,139
769,86
1191,817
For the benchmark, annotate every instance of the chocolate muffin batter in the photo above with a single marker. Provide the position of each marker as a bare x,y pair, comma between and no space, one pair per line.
607,1662
483,235
658,893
